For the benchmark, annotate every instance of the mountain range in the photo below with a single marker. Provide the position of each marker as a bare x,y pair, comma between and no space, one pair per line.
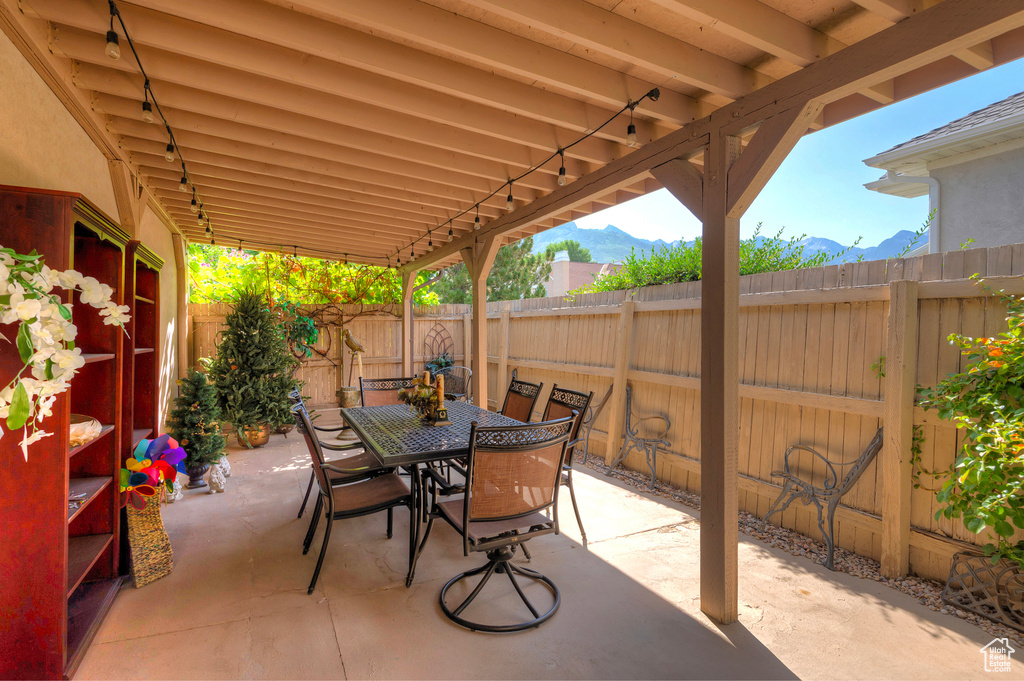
611,244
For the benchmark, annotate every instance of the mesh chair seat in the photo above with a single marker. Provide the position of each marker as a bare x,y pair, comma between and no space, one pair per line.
361,459
482,530
381,491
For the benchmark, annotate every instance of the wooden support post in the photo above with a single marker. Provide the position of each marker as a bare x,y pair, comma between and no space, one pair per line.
182,324
478,259
408,282
502,357
719,386
467,339
895,459
617,403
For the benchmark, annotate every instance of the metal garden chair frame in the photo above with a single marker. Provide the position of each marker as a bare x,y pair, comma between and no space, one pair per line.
458,383
563,402
633,440
829,493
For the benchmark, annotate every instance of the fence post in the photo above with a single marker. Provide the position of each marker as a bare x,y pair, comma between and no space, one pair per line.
895,460
623,345
502,381
467,338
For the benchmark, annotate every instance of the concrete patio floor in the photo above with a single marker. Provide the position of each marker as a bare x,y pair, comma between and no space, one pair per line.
236,606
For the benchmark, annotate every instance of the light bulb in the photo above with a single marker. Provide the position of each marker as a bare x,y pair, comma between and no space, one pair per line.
169,154
184,184
213,241
510,204
199,219
195,206
147,112
113,48
476,223
561,176
631,135
208,230
450,234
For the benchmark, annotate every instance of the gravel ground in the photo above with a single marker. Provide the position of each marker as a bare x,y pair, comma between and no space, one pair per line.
926,591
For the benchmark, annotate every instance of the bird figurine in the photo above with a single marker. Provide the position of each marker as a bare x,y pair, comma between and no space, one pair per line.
357,349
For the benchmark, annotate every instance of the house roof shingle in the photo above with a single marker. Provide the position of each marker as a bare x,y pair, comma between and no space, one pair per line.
1011,106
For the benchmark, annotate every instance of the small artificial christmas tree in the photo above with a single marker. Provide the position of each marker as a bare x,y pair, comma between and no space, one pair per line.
252,371
193,420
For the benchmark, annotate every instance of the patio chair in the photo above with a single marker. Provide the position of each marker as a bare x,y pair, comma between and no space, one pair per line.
563,402
829,493
457,383
520,398
363,497
511,497
376,392
296,397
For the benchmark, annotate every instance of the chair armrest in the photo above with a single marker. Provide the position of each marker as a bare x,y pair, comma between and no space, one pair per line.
344,471
331,429
663,419
830,471
341,448
446,487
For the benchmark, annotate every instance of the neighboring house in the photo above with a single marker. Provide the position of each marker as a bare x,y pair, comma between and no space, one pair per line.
567,275
973,172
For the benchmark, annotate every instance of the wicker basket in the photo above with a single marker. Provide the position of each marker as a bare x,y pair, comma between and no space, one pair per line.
149,543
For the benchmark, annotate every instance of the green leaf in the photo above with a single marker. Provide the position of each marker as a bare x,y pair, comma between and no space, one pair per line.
1003,528
64,311
18,414
24,343
49,369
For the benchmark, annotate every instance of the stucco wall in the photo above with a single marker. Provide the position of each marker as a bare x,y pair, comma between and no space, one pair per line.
42,145
982,199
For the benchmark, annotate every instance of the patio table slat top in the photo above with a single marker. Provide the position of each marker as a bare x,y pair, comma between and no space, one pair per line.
396,436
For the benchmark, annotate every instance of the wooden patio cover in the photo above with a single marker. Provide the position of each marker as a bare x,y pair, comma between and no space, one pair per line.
365,129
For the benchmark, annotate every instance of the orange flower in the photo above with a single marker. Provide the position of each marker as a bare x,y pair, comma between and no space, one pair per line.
233,366
995,352
995,365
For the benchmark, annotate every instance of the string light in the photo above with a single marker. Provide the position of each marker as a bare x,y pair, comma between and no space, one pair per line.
169,153
147,111
510,203
430,242
631,129
208,230
476,222
184,184
195,204
451,235
199,220
113,49
561,169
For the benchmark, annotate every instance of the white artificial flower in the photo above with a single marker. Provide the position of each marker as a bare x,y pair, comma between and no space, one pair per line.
115,314
69,359
44,408
5,272
69,279
69,331
14,286
32,439
41,334
27,309
6,259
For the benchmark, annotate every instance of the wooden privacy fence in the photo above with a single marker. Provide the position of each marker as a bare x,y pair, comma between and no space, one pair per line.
808,340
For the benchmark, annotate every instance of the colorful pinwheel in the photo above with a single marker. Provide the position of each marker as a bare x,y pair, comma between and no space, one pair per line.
135,487
160,460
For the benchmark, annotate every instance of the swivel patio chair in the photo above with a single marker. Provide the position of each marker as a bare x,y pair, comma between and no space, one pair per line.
563,402
511,497
376,392
363,497
829,493
457,383
358,460
520,398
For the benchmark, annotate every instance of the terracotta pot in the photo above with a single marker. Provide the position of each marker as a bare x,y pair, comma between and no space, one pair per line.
257,437
195,476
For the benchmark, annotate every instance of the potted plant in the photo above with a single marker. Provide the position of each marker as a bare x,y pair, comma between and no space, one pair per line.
442,361
984,484
252,370
194,425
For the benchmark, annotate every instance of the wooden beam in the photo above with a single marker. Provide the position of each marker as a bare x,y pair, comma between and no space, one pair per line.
617,401
895,462
478,258
719,396
765,151
128,195
503,352
182,323
685,182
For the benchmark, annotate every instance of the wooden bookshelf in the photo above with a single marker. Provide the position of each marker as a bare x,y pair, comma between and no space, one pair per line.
62,566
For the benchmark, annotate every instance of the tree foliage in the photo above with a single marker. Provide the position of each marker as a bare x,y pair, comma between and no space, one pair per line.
516,273
682,262
253,369
194,420
216,273
577,253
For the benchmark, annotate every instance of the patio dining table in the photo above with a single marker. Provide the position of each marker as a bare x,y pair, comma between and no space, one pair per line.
397,437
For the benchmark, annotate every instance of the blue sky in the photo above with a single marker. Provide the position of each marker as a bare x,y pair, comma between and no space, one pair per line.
819,189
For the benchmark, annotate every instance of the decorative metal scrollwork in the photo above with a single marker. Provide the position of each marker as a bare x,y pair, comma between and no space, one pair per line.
523,388
519,437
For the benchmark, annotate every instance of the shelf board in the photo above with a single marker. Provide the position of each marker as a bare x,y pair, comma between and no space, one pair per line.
91,486
104,431
82,554
86,609
143,299
143,351
140,434
90,357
